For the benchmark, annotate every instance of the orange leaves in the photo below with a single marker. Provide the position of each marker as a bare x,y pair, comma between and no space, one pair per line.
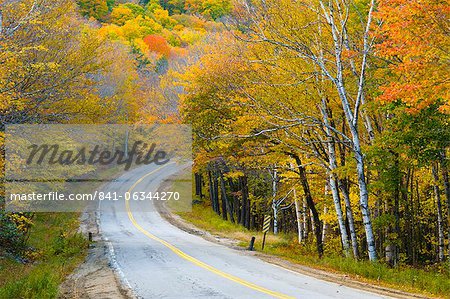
414,38
157,44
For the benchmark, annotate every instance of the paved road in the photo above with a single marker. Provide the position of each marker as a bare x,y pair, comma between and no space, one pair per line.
159,260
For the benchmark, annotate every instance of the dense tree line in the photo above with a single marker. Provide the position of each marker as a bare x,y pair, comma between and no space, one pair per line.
332,116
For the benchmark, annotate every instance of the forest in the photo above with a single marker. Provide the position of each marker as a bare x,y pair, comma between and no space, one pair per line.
333,118
330,116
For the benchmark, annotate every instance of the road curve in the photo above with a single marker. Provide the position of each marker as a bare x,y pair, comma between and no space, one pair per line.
158,260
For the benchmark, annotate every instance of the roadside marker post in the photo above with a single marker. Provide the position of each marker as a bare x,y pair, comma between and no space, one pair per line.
266,227
252,243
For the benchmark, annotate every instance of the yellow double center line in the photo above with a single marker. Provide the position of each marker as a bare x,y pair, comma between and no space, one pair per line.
190,258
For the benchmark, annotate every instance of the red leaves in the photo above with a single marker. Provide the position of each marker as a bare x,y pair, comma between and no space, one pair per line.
157,44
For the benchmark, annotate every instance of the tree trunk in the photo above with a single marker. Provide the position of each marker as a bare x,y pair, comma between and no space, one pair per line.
242,201
414,232
351,220
392,232
437,194
299,216
311,205
340,217
1,22
198,185
306,219
407,235
225,199
274,199
444,170
224,202
212,193
216,191
325,226
364,197
351,117
245,210
236,201
332,178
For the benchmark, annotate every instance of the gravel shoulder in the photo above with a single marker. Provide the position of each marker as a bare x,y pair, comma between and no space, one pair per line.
96,277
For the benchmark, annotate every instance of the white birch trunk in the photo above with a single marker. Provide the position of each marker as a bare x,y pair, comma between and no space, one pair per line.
274,206
333,180
364,201
1,23
352,116
325,225
305,218
298,213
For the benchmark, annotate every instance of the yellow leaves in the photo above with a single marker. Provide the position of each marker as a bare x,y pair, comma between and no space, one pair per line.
140,45
150,24
48,66
190,36
22,222
234,174
179,52
120,14
162,16
178,27
34,48
329,217
246,123
131,31
72,71
111,31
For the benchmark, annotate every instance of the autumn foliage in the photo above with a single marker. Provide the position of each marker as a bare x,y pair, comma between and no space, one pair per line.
414,37
157,44
344,103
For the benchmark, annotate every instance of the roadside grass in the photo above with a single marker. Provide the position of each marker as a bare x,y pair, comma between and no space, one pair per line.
58,249
428,283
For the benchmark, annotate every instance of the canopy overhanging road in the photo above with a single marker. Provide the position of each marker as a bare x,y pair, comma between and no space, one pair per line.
158,260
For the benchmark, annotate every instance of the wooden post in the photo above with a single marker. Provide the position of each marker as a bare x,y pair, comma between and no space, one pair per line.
264,240
252,243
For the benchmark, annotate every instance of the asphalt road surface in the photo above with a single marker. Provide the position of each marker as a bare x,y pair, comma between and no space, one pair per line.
158,260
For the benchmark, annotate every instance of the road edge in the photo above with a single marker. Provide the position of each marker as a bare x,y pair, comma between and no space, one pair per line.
99,261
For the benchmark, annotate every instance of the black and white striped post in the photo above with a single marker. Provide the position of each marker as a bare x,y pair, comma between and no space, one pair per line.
266,227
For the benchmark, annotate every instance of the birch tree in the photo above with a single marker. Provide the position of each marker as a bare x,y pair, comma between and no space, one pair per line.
293,26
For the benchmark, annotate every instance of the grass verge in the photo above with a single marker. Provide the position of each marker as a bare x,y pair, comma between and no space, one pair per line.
58,250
